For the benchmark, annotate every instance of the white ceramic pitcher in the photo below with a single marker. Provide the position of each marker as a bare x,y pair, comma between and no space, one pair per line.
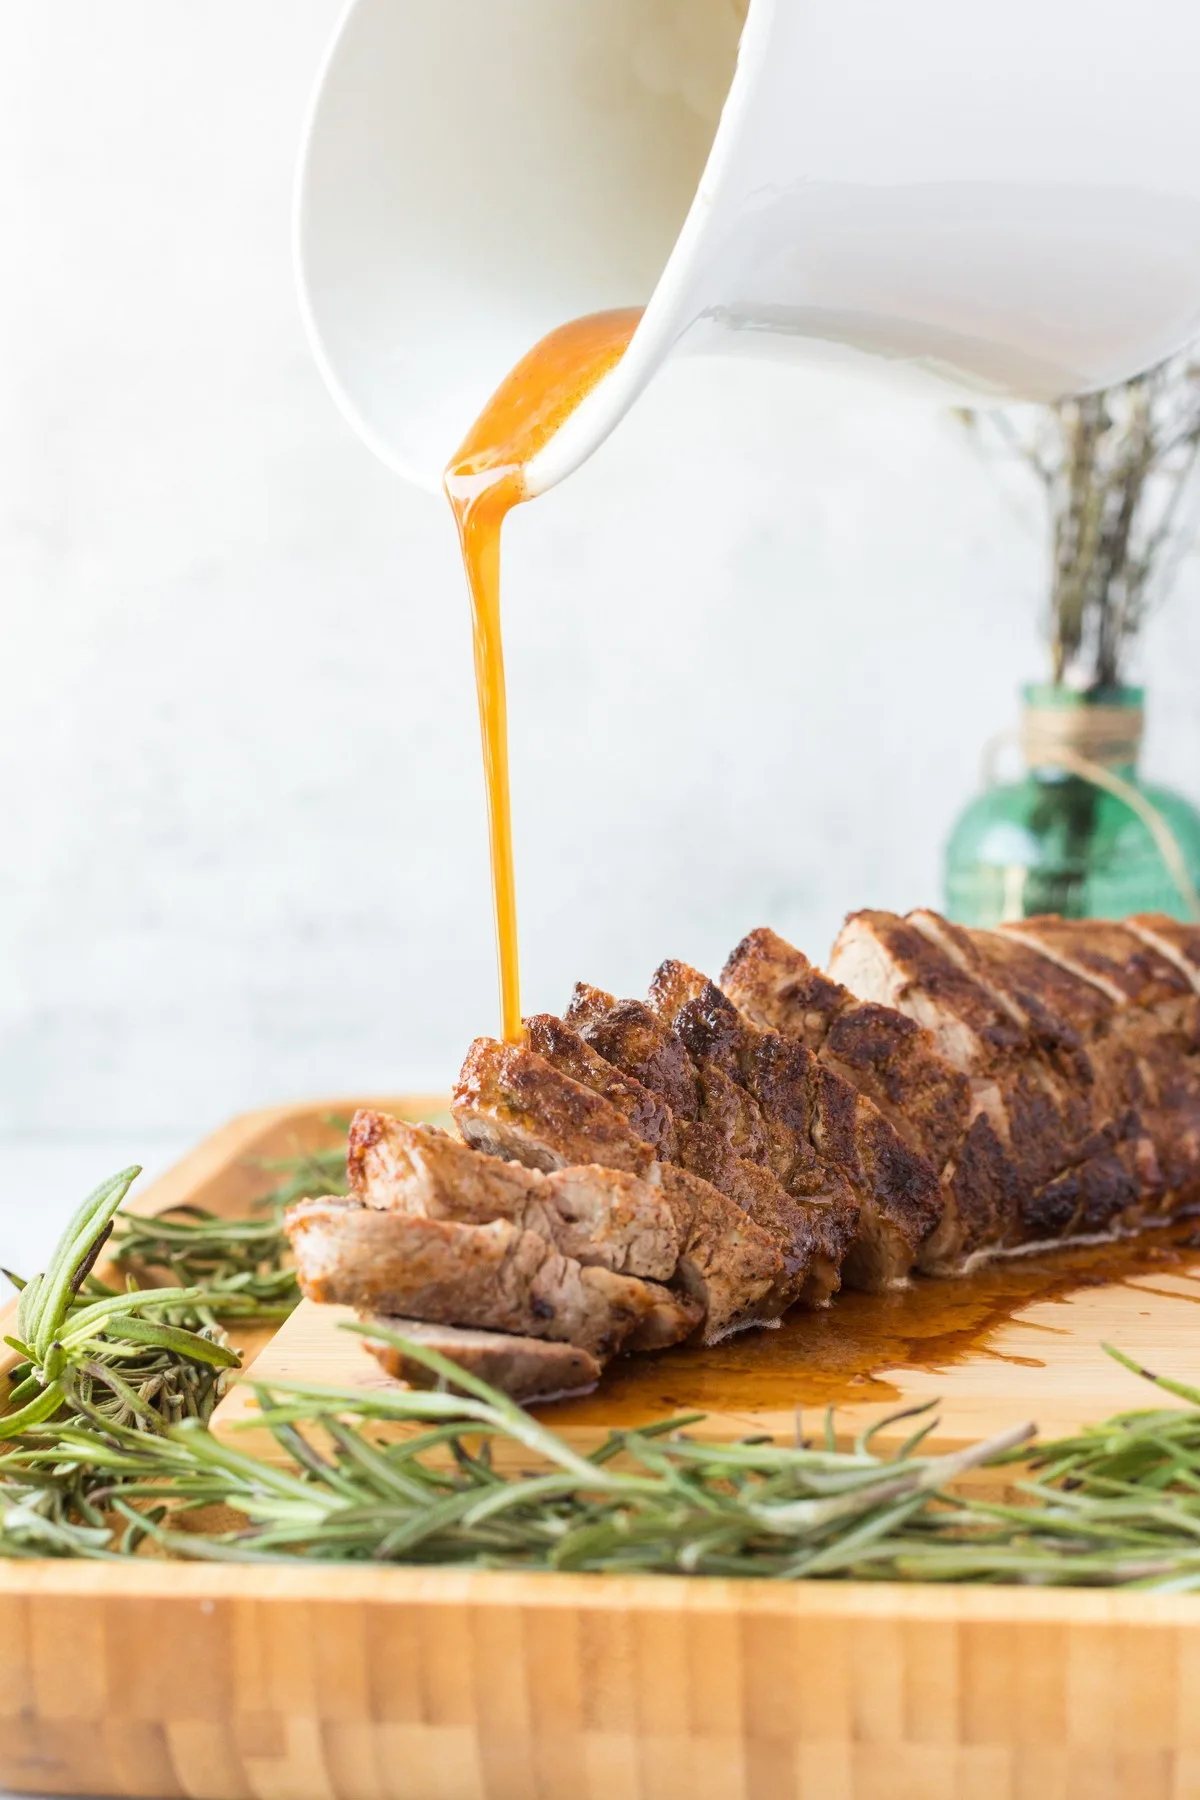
999,196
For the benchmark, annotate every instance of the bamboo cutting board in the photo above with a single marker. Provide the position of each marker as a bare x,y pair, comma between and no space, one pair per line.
150,1679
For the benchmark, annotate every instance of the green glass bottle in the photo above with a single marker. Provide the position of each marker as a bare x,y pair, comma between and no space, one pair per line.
1056,841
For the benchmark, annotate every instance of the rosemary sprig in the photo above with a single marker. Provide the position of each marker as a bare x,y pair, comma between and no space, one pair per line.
108,1351
109,1449
241,1264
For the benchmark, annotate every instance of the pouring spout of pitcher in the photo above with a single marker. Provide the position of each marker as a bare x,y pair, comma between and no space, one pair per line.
943,196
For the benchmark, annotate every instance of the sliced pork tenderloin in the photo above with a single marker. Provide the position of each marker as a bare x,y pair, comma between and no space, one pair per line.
1089,1070
1024,1130
511,1103
647,1113
814,1215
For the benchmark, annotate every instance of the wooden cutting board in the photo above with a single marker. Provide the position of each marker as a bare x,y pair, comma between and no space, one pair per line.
310,1683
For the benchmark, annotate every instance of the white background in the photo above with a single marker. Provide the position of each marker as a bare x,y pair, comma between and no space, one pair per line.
754,648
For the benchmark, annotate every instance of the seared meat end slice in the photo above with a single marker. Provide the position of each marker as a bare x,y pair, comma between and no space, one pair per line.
525,1368
598,1216
495,1276
511,1103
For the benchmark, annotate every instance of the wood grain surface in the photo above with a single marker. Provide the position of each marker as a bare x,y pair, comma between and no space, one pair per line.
218,1682
351,1684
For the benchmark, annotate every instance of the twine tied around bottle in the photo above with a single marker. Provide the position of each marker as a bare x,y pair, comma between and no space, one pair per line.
1092,742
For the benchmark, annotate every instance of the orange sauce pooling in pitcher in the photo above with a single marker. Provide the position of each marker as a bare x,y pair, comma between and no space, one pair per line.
485,480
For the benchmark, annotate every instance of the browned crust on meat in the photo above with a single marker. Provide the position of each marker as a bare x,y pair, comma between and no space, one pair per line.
1124,965
813,1117
1178,941
920,979
511,1103
634,1040
647,1113
777,988
525,1368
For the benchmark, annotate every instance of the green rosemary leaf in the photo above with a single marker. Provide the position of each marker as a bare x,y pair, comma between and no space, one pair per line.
51,1300
169,1337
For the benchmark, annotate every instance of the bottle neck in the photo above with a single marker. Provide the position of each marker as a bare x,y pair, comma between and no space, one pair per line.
1056,739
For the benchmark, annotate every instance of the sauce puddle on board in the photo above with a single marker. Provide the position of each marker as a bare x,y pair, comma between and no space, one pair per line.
841,1356
485,480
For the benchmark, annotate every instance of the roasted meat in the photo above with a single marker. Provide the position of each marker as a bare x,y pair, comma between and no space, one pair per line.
510,1099
1079,1043
812,1234
525,1367
496,1276
598,1216
636,1174
881,1052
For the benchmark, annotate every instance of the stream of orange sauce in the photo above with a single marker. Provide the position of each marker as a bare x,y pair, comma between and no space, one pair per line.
484,481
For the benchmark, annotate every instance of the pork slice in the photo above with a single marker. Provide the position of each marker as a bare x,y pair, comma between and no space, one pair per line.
812,1111
647,1113
1150,1051
1098,1197
1048,1090
1126,967
729,1264
982,1033
587,1003
1172,938
882,957
525,1368
812,1231
776,987
602,1217
554,1124
495,1276
630,1037
419,1169
510,1102
605,1218
642,1048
